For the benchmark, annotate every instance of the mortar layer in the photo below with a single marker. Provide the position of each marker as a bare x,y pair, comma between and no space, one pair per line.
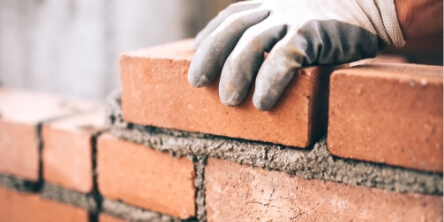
199,183
316,163
18,184
130,213
70,197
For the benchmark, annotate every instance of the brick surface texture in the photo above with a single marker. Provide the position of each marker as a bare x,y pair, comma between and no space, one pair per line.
155,91
67,150
241,193
20,113
388,113
146,178
23,207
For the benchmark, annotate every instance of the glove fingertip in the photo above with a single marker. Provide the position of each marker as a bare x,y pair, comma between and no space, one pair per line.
228,98
261,103
195,81
194,78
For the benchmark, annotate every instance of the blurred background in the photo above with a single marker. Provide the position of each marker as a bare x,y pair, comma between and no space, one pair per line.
71,47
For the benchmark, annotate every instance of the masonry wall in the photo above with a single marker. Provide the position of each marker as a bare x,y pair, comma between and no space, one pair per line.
370,149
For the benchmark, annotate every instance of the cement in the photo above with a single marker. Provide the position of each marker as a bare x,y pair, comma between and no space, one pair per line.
199,183
69,197
130,213
314,163
18,184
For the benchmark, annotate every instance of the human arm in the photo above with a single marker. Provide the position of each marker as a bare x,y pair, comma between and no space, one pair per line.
420,18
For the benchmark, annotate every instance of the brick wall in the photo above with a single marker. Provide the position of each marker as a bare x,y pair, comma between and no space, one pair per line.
365,144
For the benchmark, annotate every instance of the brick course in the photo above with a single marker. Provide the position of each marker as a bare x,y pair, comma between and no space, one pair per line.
20,113
146,178
242,193
155,91
21,207
388,113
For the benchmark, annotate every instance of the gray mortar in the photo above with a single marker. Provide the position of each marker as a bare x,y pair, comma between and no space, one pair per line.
69,197
199,183
131,213
316,163
16,183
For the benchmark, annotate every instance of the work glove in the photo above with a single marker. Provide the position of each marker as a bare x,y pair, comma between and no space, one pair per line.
296,33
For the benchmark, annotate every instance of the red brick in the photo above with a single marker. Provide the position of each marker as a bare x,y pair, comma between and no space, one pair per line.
19,154
107,218
67,150
155,91
242,193
388,113
22,207
144,177
20,112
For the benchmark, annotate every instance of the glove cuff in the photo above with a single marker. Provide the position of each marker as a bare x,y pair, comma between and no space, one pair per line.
390,20
383,15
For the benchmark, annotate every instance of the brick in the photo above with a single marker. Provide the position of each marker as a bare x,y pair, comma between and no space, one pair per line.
237,192
144,177
155,91
107,218
67,150
388,113
20,113
21,207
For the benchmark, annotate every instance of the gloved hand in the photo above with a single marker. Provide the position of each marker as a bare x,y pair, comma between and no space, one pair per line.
296,33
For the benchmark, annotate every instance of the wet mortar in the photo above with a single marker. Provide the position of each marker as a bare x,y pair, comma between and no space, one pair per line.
312,163
131,213
70,197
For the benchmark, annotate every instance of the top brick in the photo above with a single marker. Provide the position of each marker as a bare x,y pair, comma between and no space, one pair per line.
388,113
155,91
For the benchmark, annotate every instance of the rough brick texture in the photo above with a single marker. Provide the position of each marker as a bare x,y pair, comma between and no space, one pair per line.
67,150
144,177
107,218
155,91
388,113
21,207
20,113
242,193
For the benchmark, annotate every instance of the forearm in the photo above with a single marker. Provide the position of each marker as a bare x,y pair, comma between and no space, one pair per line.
420,18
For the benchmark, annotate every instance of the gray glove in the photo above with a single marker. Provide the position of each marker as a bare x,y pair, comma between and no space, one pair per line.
296,33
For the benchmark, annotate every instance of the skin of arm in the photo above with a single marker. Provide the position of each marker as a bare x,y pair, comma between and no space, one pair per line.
420,18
